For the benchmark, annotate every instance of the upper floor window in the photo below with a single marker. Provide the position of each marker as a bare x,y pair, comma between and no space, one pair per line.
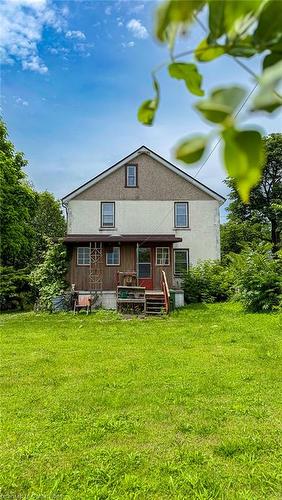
108,214
113,257
83,256
181,214
162,256
131,176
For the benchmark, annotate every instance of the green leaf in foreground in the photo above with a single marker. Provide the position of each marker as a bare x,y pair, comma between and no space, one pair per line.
191,150
189,73
205,52
268,97
238,14
174,12
243,48
268,31
272,59
221,104
244,159
147,110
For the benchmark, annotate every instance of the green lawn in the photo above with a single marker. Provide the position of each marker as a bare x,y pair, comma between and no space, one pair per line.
98,407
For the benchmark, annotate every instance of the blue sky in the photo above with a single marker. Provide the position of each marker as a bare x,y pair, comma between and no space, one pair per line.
73,76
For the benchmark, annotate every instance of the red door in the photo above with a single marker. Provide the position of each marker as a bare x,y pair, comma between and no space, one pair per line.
145,267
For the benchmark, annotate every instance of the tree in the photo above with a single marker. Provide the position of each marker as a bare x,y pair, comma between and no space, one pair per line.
265,204
236,235
240,29
18,203
49,222
48,278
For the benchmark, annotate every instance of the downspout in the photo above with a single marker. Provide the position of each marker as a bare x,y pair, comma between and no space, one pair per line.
137,263
90,269
65,205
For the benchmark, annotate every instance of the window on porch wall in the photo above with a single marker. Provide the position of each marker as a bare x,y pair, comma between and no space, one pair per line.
162,256
181,261
113,257
83,256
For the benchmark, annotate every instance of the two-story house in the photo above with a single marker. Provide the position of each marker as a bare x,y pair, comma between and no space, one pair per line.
142,214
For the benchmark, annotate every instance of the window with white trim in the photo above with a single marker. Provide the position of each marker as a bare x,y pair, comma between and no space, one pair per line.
107,214
162,256
131,175
181,214
113,256
181,261
83,256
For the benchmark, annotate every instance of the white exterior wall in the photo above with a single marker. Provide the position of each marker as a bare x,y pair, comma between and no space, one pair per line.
153,217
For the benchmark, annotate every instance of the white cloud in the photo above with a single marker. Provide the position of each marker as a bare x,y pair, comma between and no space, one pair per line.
127,44
58,50
137,29
22,25
21,101
34,63
136,8
84,49
108,11
75,34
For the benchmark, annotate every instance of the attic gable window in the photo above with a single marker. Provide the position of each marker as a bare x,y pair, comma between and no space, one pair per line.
131,176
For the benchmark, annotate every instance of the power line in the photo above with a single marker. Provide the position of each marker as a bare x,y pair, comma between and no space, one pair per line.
217,143
220,139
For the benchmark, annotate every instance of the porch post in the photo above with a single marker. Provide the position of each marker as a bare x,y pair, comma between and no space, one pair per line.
137,263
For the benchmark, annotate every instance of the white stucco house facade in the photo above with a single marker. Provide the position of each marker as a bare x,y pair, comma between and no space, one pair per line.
143,214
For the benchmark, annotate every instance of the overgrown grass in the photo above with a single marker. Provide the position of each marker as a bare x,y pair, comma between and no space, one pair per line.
181,407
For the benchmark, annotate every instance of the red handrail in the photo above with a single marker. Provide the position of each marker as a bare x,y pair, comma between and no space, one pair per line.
165,290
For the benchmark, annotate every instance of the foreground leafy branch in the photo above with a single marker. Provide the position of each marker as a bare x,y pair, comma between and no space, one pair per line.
239,29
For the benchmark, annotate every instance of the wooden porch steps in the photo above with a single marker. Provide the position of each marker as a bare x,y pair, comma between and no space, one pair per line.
155,303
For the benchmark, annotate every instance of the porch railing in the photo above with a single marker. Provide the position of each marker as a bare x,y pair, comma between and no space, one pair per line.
165,290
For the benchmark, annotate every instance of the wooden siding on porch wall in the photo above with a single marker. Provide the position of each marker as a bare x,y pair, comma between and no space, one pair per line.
79,275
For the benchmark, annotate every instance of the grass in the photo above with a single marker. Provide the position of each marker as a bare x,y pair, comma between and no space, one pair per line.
181,407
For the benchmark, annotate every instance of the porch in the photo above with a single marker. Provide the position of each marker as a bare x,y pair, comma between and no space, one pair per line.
98,262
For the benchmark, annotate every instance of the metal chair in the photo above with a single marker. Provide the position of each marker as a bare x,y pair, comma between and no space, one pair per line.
82,302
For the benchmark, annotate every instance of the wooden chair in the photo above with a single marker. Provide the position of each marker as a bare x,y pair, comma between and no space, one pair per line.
82,302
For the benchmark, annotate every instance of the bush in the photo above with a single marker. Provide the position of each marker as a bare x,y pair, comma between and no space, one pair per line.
206,282
49,277
15,291
257,275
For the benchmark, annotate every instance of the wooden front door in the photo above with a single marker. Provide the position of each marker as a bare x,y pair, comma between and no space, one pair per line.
145,271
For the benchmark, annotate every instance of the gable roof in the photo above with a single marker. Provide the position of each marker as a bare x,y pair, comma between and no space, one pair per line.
132,156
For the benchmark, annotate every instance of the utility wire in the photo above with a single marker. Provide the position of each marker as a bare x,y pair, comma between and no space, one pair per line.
203,164
220,139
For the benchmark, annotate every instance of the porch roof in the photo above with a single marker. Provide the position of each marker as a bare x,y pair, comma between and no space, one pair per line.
122,238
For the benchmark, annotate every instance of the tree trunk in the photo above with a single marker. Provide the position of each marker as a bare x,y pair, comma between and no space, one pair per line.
275,235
